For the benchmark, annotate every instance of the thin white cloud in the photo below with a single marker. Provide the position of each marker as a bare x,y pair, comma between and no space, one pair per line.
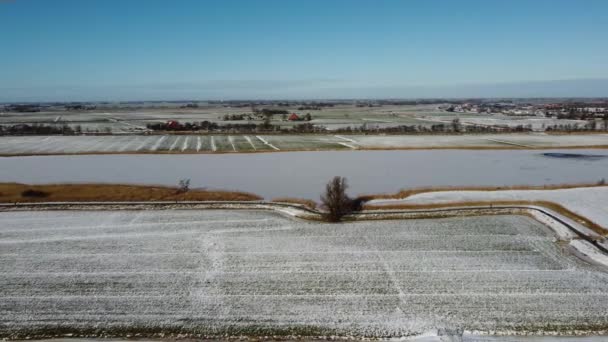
301,89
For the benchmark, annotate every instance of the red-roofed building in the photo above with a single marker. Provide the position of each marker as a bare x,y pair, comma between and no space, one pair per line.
294,117
172,124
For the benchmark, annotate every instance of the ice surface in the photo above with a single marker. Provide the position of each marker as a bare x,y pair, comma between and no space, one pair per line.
273,175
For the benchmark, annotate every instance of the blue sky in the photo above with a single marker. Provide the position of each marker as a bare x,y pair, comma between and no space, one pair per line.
225,49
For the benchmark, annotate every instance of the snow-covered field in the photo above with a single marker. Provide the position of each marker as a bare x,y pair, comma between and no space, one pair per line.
537,123
531,140
164,143
247,143
132,143
591,203
246,272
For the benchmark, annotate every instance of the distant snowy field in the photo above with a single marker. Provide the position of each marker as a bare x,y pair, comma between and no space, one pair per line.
238,271
16,145
538,124
591,203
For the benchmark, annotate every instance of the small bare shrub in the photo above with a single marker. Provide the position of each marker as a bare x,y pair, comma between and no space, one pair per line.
183,186
31,193
335,200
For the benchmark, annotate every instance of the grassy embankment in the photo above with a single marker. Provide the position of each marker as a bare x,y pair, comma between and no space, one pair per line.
310,204
402,194
24,193
547,204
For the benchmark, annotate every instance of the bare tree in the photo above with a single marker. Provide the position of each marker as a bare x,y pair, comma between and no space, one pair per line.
183,186
456,127
335,200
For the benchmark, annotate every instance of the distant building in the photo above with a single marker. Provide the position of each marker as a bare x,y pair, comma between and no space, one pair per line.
172,124
294,117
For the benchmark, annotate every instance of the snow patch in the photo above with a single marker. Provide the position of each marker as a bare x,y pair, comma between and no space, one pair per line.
213,147
590,251
199,143
346,139
185,144
158,143
250,142
175,141
231,140
267,143
347,145
562,232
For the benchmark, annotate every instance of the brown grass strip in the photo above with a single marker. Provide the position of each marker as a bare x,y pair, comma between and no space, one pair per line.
307,203
13,193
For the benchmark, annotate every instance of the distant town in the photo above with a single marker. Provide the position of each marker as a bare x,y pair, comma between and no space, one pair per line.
423,116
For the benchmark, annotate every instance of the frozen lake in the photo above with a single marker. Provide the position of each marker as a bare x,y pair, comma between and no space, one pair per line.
303,174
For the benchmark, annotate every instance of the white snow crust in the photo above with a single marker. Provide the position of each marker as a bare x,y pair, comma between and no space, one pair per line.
205,271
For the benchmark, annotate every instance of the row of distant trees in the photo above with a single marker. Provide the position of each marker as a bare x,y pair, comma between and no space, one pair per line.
455,126
248,127
208,126
36,129
50,129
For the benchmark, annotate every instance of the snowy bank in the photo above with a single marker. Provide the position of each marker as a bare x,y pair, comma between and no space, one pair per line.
589,202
